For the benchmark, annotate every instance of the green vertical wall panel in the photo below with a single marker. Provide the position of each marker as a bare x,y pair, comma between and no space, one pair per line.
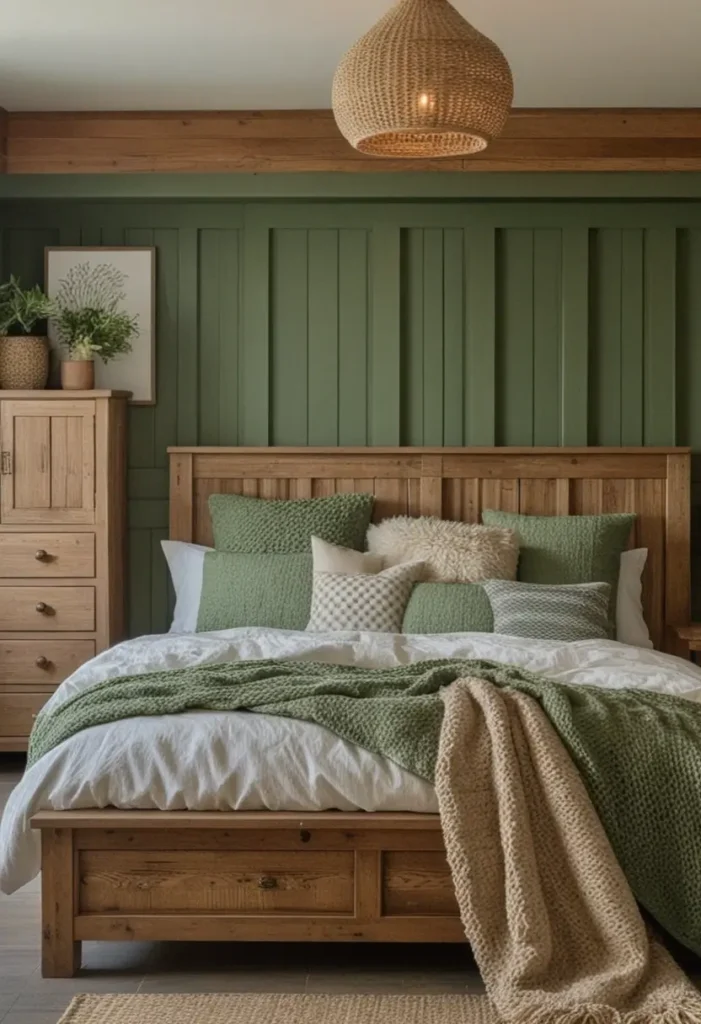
514,399
689,337
453,335
385,336
353,336
412,327
382,323
575,336
218,284
322,348
254,346
210,344
188,347
605,338
140,570
24,253
659,366
289,351
632,312
433,337
547,331
479,367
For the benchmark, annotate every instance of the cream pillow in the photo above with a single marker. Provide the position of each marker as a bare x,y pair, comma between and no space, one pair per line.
333,558
452,552
372,602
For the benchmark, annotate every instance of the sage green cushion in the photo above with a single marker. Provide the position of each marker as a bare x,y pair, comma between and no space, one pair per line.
569,549
448,608
255,590
561,612
260,525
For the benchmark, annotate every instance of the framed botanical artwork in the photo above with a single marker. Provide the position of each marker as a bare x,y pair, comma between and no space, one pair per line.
132,273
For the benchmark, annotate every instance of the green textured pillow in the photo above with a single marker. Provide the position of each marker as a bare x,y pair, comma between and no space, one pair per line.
567,613
448,608
255,590
569,549
260,525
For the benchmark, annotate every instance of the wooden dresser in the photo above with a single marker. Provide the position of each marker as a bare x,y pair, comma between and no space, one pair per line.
62,530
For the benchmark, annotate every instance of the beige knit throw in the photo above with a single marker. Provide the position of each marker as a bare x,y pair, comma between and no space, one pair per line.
553,925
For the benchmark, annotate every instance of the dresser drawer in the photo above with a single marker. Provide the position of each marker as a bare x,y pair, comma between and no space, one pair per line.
47,555
34,664
45,608
17,713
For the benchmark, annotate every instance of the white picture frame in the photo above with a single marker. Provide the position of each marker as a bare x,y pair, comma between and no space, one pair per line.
134,371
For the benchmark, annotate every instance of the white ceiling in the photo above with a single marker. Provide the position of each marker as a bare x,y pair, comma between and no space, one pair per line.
248,54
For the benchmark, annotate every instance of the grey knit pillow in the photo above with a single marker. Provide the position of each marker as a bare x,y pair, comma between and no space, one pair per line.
374,602
564,612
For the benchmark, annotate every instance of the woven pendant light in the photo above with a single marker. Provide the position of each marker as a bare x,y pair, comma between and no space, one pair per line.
422,83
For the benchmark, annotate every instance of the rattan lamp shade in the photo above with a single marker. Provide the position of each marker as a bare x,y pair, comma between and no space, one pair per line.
422,83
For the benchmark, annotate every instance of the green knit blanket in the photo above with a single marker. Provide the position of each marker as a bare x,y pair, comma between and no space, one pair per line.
639,753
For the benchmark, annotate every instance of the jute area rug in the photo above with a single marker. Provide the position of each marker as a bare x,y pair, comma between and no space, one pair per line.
225,1008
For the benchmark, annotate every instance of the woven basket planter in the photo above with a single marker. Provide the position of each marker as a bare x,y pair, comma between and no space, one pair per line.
422,83
24,363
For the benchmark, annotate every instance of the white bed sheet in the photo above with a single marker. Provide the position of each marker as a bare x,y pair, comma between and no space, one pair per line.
238,761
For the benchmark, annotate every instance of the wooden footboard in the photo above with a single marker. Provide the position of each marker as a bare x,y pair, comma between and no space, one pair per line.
241,876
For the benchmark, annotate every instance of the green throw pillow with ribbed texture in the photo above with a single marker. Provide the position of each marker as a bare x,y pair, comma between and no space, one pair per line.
569,549
255,590
542,612
260,525
448,608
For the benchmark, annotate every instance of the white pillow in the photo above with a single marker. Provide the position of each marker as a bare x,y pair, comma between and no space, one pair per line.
186,565
630,621
333,558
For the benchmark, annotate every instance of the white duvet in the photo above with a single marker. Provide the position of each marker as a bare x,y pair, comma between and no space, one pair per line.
208,761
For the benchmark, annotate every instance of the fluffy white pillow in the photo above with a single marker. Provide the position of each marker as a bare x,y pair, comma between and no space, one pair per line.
186,565
630,621
452,552
333,558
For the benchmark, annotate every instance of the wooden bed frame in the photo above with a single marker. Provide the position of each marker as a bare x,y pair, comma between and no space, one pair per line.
336,876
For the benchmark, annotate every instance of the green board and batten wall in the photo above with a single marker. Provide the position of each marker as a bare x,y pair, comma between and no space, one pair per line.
342,322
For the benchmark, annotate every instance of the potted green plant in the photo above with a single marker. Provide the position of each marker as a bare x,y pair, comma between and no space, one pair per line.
90,323
24,356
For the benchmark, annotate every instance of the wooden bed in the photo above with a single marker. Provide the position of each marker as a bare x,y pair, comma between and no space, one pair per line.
336,876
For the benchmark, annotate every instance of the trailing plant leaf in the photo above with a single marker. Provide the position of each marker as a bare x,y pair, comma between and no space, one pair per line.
88,318
22,308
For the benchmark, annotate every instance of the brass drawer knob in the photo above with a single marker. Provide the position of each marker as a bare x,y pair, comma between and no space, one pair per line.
42,607
41,555
42,662
266,882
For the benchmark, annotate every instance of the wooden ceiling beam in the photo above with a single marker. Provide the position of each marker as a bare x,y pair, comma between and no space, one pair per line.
308,140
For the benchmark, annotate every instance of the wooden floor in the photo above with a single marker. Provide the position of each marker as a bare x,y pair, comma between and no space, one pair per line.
26,998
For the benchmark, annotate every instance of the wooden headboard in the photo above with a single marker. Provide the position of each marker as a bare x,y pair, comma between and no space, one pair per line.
457,483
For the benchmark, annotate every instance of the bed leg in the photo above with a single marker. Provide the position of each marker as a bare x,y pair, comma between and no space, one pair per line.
60,953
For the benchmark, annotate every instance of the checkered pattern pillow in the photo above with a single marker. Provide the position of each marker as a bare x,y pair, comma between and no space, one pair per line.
374,603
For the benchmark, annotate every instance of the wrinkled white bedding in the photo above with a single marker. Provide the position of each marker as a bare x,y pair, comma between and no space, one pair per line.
239,761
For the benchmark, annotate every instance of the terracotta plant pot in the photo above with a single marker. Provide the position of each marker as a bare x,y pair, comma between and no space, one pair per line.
24,363
77,375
